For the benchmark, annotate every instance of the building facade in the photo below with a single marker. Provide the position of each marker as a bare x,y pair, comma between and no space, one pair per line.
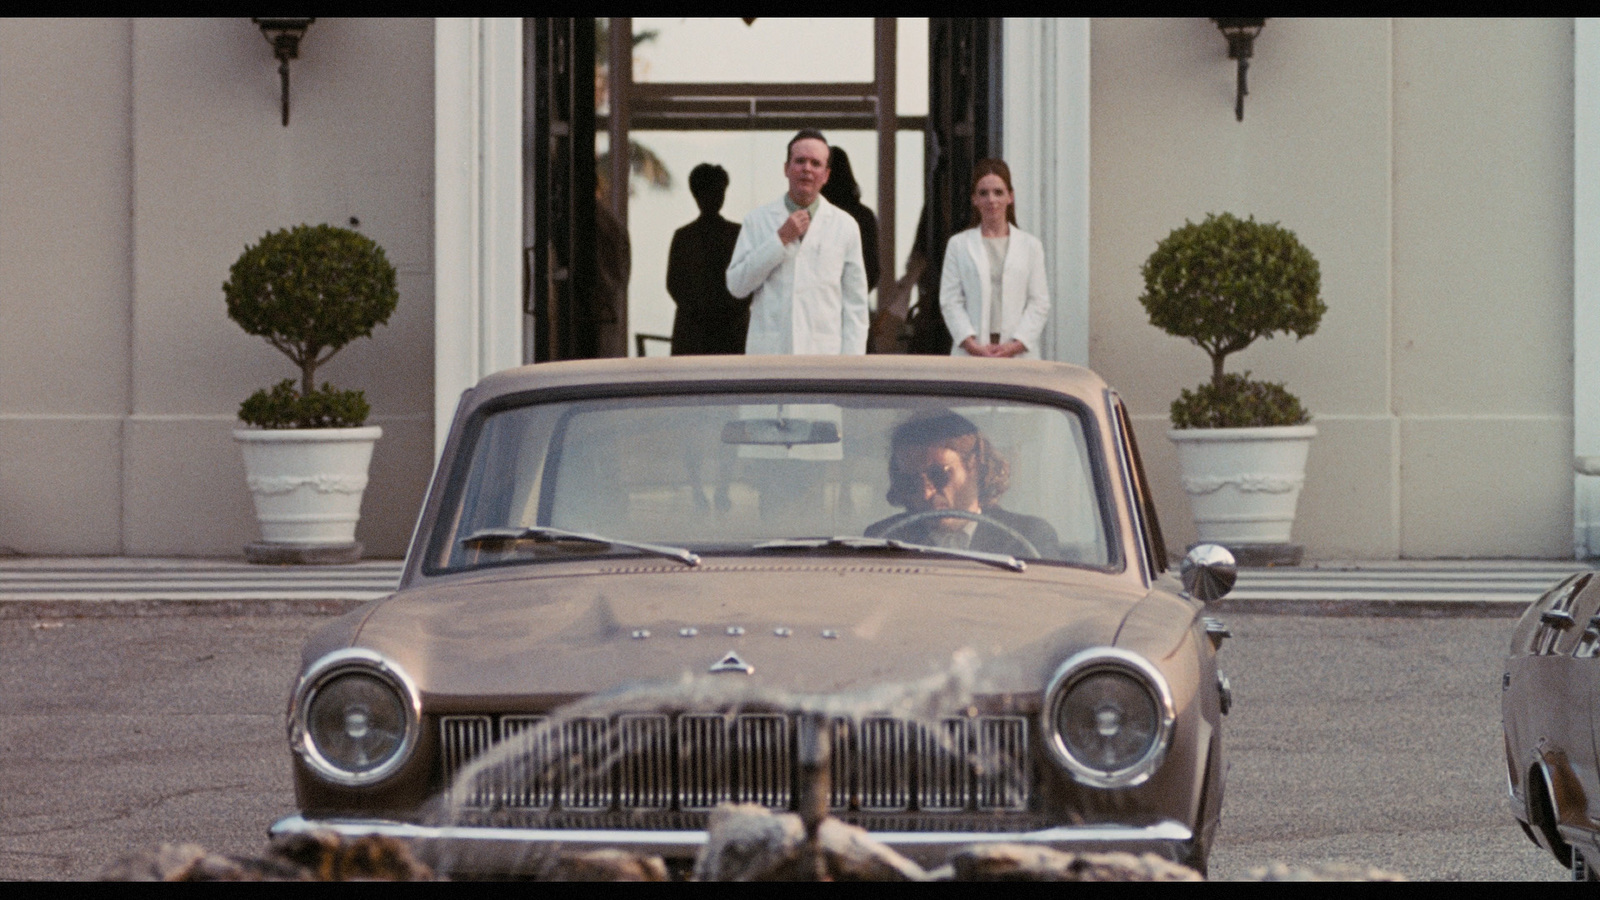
1429,164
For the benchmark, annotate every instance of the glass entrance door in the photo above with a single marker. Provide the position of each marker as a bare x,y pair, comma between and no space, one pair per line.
730,92
912,102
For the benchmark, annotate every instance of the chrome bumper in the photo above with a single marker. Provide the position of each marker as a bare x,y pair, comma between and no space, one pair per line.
486,849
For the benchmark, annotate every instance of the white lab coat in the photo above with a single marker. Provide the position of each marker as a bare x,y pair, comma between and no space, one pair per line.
810,297
964,288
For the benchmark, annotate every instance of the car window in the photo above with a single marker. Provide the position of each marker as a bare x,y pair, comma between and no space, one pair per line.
720,473
1155,544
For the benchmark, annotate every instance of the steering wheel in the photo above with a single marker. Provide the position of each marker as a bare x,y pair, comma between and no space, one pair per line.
923,516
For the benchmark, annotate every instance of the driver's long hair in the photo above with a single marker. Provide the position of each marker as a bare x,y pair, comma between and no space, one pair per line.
955,432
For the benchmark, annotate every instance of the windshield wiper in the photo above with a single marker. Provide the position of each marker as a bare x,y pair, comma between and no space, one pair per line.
545,534
1002,560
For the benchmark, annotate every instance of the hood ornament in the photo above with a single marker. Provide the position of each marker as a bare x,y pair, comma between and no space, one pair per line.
730,662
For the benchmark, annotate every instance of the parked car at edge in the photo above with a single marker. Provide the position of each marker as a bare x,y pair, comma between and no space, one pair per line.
642,588
1547,704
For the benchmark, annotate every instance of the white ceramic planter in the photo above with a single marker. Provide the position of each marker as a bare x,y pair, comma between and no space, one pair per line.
307,482
1243,483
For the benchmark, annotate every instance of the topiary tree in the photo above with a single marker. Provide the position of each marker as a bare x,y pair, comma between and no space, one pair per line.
310,290
1222,284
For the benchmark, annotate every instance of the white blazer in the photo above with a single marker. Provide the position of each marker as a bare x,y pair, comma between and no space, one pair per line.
964,291
809,296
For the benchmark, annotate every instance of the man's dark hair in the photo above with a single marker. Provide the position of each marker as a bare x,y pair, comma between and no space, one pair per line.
801,135
709,184
956,432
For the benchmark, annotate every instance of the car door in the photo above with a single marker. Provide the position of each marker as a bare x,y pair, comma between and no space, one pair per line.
1565,668
1579,657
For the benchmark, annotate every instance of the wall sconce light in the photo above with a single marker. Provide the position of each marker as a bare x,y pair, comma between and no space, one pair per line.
284,35
1241,35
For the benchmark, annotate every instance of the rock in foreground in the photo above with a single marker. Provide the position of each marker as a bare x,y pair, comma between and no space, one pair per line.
745,843
319,857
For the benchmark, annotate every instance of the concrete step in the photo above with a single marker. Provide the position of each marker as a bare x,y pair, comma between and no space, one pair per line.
111,586
1404,587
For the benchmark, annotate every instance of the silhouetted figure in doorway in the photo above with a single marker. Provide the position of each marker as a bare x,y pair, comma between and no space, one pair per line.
843,191
613,263
709,320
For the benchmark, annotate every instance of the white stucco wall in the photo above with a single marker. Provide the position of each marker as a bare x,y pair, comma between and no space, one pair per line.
139,158
65,283
1427,164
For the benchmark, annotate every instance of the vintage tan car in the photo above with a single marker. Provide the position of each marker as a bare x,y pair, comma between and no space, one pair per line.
1547,700
929,593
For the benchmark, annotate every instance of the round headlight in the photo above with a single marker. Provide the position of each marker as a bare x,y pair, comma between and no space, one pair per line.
1108,717
356,717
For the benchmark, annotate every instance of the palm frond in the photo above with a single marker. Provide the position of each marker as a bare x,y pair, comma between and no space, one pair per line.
643,163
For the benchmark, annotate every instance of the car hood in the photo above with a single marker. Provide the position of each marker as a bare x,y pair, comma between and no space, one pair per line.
538,637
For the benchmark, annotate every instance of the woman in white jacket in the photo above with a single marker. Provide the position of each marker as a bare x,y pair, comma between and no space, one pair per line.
992,291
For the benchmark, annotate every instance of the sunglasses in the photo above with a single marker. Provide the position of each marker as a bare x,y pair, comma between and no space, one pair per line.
937,476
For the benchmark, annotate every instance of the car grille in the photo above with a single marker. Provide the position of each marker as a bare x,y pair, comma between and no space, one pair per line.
690,762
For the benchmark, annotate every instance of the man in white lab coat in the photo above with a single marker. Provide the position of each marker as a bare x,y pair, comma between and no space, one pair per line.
801,258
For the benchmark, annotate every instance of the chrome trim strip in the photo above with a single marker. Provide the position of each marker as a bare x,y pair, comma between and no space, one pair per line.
1135,509
1161,832
1166,832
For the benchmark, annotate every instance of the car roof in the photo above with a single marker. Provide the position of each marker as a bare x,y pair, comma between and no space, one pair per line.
1061,378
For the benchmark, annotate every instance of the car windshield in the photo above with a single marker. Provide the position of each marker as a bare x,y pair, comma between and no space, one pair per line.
742,473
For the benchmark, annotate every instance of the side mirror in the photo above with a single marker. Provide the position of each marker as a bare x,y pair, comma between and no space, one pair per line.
1208,572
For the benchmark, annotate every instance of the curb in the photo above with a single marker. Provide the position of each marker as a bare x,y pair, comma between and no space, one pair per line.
1394,609
124,608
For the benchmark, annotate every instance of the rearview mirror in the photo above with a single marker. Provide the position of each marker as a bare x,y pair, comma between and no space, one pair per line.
780,432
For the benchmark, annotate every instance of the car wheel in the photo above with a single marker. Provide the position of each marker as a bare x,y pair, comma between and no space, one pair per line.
1198,857
1581,870
1542,814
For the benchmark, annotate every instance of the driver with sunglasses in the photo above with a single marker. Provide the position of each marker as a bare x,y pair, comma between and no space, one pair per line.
941,461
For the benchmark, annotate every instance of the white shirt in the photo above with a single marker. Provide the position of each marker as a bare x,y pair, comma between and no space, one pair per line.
810,296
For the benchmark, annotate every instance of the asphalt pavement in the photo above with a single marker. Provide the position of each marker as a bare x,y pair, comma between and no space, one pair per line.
167,726
33,587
